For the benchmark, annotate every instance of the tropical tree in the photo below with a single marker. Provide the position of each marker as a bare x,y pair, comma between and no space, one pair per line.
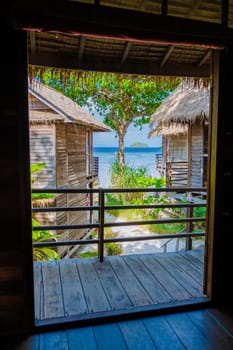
121,99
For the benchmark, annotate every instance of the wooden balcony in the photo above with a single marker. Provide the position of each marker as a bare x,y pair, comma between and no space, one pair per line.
93,173
83,289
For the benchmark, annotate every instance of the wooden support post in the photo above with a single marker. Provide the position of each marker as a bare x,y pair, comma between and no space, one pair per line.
101,226
189,228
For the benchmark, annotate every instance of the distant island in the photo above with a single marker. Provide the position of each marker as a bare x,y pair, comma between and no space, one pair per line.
138,144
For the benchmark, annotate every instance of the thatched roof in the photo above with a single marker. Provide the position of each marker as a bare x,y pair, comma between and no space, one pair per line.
187,104
60,109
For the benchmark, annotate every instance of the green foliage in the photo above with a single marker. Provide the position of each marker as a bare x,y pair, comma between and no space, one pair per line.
199,212
43,253
42,195
88,255
132,177
34,168
116,97
112,248
166,228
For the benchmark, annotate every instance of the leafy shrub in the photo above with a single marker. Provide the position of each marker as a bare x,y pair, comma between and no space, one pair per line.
43,253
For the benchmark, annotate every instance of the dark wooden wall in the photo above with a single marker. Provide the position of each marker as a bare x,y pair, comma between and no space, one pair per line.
16,306
221,200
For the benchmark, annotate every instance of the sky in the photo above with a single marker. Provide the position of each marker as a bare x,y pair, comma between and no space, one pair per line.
108,139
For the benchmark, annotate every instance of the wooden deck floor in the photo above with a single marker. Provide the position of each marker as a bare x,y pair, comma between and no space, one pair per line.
204,329
79,289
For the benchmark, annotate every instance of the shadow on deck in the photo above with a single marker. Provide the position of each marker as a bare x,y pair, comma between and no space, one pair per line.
83,289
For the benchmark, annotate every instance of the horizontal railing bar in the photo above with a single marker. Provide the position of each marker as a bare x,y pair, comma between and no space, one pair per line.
65,190
63,227
121,190
113,224
120,239
65,243
51,209
148,222
162,189
112,207
153,237
179,162
147,206
178,177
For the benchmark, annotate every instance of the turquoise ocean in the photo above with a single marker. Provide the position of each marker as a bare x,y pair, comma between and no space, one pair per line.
134,157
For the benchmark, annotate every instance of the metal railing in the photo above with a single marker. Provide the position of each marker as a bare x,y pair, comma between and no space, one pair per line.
186,205
95,166
158,161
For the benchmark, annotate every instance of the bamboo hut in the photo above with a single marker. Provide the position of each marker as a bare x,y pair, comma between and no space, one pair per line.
182,121
61,136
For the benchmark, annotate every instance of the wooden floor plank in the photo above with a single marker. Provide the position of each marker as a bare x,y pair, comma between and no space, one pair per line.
216,334
136,336
189,268
157,293
173,287
116,295
188,333
76,287
196,263
94,293
205,329
224,316
181,276
54,340
73,295
158,327
81,339
37,275
197,256
129,281
52,292
109,337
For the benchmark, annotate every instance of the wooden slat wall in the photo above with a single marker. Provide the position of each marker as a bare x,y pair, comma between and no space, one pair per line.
178,148
16,297
61,179
77,170
71,172
196,165
36,104
42,150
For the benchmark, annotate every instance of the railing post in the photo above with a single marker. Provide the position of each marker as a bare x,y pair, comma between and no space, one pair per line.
177,244
101,225
189,228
